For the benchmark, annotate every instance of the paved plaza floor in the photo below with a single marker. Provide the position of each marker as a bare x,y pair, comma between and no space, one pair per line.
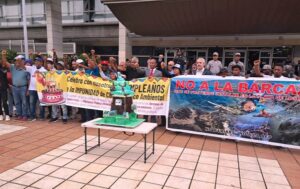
43,155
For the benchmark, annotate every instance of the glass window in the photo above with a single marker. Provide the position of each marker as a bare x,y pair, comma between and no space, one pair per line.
282,51
138,50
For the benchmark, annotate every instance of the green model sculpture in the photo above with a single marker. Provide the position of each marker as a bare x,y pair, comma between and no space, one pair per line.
122,112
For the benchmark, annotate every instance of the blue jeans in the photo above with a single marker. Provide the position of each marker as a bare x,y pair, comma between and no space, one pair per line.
55,109
10,102
19,94
33,99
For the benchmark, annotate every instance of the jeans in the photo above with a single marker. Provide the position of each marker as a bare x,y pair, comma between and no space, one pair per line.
33,99
10,102
55,111
19,94
3,101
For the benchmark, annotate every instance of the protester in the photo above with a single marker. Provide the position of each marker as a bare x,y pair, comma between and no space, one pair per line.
3,91
55,108
134,71
177,71
152,71
236,70
278,70
20,79
33,95
10,95
181,60
214,65
104,70
223,72
236,61
200,65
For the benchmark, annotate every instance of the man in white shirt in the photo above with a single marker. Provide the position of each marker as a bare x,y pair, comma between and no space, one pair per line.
278,71
200,63
215,65
236,61
33,95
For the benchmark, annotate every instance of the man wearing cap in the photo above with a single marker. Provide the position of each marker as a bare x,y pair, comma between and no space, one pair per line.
33,95
200,64
176,70
180,59
50,64
19,84
104,69
214,65
59,66
236,61
278,71
76,65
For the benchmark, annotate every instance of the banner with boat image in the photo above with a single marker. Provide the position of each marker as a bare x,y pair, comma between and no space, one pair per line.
261,110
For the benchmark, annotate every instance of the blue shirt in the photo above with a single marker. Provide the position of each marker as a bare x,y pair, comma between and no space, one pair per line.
94,72
20,77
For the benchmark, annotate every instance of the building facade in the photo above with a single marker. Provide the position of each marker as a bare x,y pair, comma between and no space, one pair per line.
90,24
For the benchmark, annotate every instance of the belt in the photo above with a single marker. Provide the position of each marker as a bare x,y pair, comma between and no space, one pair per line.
19,86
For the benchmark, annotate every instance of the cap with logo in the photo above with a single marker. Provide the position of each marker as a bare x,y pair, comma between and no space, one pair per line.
79,61
61,63
19,57
267,67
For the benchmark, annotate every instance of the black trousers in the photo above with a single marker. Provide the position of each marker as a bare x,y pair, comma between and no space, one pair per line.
3,101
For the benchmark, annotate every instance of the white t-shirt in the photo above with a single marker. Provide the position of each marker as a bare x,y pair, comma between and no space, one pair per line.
32,70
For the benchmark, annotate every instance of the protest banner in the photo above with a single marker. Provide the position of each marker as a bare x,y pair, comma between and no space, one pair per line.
85,91
260,110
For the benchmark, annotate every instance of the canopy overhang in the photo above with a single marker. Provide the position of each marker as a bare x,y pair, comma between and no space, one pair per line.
207,17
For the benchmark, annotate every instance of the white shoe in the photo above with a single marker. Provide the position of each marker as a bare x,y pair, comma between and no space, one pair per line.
1,118
7,118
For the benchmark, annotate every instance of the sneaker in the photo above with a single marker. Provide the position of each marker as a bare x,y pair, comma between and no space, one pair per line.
33,119
65,121
52,120
24,119
7,118
1,118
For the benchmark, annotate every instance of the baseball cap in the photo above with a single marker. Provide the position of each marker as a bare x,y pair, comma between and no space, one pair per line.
79,61
237,54
19,57
39,59
61,63
177,66
49,59
224,70
104,62
267,67
28,61
215,54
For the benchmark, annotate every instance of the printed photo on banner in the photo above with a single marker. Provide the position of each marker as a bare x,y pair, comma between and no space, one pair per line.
52,87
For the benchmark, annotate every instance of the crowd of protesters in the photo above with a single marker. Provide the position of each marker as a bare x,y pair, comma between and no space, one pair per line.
18,79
